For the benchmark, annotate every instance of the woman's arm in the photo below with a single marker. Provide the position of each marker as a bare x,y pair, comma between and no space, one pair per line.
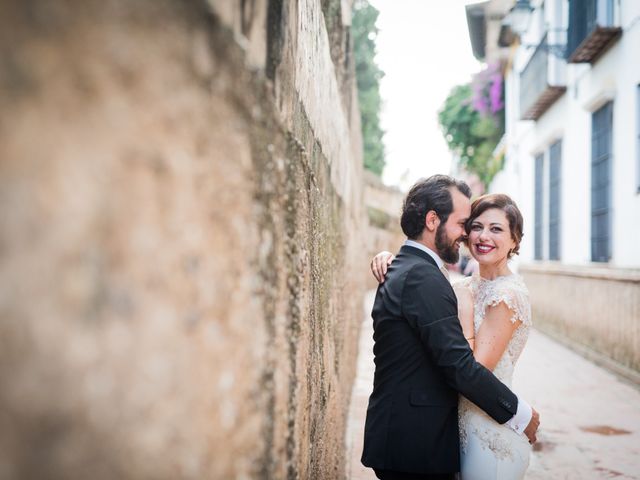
494,335
379,265
465,313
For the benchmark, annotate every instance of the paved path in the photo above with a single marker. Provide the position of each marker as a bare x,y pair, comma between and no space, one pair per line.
590,420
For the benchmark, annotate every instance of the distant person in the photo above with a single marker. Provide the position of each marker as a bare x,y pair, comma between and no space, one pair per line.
471,267
462,262
426,340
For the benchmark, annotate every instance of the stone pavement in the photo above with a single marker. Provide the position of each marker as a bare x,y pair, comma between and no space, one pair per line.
589,419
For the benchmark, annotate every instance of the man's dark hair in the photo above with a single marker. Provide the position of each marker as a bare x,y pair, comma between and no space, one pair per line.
432,193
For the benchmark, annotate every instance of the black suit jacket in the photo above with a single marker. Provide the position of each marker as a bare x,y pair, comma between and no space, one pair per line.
422,361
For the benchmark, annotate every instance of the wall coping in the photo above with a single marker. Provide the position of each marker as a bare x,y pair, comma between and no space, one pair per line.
584,271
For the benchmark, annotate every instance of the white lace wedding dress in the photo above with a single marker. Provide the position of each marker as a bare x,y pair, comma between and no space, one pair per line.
490,451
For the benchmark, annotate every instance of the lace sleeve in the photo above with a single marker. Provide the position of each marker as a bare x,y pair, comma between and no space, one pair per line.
514,294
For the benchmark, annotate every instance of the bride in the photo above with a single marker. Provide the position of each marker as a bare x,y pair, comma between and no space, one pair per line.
495,314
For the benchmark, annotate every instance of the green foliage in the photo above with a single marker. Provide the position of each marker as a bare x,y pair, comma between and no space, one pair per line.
472,135
457,119
368,75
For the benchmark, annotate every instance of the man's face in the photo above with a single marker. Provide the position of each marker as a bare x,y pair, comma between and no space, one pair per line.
450,234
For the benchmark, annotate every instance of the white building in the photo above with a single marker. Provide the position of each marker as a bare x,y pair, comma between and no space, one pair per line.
573,164
573,132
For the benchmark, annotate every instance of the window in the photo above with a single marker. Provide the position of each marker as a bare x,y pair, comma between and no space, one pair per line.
548,203
539,164
555,169
638,139
601,140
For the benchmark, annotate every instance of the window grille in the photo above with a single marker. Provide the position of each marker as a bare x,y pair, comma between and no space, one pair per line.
539,164
601,143
555,172
638,139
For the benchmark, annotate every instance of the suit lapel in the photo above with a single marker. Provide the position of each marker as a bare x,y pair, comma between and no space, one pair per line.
419,253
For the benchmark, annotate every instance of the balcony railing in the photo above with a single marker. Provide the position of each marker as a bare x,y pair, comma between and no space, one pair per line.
542,82
591,29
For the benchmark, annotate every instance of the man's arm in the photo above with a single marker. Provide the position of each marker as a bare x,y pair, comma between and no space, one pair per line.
429,305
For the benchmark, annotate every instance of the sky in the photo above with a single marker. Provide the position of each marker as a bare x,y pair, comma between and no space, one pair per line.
424,49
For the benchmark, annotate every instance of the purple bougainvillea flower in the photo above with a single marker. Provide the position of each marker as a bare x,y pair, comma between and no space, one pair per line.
487,87
495,93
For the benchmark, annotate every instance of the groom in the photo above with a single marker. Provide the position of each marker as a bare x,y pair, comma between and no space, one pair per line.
422,358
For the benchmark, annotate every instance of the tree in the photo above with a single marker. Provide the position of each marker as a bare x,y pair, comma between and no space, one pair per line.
472,120
368,76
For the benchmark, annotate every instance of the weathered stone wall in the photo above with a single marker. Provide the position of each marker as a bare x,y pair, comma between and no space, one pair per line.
181,242
384,206
598,308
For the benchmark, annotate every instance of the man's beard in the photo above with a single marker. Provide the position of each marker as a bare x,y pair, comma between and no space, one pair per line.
447,250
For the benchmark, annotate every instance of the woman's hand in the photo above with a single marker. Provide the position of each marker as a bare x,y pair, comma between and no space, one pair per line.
379,265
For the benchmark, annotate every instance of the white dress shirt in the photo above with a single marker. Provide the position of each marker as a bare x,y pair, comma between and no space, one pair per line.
524,412
424,248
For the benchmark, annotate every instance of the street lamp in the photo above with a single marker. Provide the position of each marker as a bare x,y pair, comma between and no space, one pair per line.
518,20
519,17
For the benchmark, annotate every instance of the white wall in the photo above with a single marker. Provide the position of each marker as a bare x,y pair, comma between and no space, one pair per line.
615,77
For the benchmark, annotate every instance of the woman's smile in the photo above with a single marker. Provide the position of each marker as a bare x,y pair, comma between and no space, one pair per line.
483,248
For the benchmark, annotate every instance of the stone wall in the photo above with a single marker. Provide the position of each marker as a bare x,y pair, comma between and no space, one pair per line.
596,308
384,206
181,242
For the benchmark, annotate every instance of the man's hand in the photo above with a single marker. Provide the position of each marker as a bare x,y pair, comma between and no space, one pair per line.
379,265
532,428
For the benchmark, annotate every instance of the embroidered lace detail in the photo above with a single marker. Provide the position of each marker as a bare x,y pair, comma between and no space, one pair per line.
511,291
491,434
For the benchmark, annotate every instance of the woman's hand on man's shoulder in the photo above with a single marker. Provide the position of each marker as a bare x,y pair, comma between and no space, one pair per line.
380,263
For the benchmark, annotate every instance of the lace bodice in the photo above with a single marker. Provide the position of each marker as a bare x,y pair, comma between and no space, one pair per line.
511,290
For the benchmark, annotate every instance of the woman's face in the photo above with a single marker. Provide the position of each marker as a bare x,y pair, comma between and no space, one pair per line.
490,237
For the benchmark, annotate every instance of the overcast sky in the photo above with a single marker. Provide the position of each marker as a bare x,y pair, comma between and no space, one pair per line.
424,50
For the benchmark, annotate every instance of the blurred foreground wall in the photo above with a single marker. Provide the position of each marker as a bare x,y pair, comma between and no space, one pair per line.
181,238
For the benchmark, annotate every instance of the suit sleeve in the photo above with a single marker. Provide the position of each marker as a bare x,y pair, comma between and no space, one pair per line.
430,306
